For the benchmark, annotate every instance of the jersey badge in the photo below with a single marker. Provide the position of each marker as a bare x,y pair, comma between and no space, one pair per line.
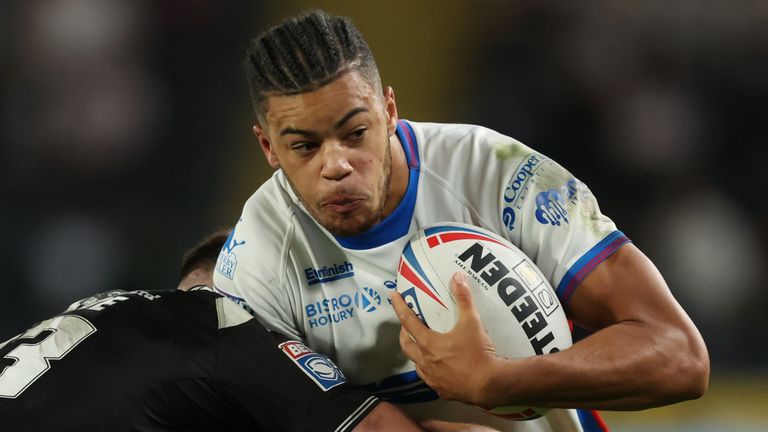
317,367
227,263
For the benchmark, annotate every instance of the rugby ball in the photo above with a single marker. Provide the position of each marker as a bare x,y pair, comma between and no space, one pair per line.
516,303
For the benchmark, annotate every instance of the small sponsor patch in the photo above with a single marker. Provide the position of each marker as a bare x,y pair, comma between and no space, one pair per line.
316,366
227,262
326,274
367,299
550,208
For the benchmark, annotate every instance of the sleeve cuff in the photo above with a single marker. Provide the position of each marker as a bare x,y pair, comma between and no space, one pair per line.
584,265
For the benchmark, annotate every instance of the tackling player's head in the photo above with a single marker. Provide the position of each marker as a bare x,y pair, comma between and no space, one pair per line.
199,261
324,119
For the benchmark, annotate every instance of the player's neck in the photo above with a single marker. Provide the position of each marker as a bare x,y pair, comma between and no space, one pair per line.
398,182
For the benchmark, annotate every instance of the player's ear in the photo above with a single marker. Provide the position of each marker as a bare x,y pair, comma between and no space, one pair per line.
390,108
266,146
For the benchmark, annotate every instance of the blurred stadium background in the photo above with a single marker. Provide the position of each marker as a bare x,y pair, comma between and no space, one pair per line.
125,137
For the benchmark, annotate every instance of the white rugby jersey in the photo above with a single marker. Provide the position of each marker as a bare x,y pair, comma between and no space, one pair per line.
332,292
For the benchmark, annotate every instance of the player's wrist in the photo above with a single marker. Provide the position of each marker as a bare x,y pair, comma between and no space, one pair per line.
493,387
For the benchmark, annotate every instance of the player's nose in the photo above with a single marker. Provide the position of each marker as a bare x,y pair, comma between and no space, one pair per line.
336,163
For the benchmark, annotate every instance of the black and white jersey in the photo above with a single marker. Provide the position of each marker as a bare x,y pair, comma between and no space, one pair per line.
168,360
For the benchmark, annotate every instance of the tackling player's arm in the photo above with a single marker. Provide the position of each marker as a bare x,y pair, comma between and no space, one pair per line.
646,351
387,417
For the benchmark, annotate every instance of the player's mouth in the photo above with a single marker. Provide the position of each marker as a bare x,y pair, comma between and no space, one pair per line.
342,205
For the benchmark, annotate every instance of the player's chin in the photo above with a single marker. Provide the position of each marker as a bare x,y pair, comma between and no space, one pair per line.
348,225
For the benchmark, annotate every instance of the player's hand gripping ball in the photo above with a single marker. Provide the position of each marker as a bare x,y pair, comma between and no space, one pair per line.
517,306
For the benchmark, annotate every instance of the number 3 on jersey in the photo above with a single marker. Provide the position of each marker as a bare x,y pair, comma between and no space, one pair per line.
27,357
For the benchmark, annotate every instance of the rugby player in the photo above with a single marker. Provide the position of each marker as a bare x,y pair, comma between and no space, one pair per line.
175,360
315,252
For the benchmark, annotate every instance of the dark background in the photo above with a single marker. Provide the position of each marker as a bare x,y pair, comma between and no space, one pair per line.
125,133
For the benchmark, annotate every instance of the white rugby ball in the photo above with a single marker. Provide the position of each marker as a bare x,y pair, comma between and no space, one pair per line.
518,307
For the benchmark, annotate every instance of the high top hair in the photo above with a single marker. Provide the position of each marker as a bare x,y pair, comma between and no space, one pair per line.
305,53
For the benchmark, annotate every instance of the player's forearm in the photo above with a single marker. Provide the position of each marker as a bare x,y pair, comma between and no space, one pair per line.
626,366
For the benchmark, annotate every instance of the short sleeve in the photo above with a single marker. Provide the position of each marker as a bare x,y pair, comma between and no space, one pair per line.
558,222
534,202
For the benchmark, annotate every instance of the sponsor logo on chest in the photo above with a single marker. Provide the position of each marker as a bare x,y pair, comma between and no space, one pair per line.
329,273
339,308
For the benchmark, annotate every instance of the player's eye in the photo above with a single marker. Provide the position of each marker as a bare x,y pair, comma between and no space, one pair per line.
304,147
357,133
